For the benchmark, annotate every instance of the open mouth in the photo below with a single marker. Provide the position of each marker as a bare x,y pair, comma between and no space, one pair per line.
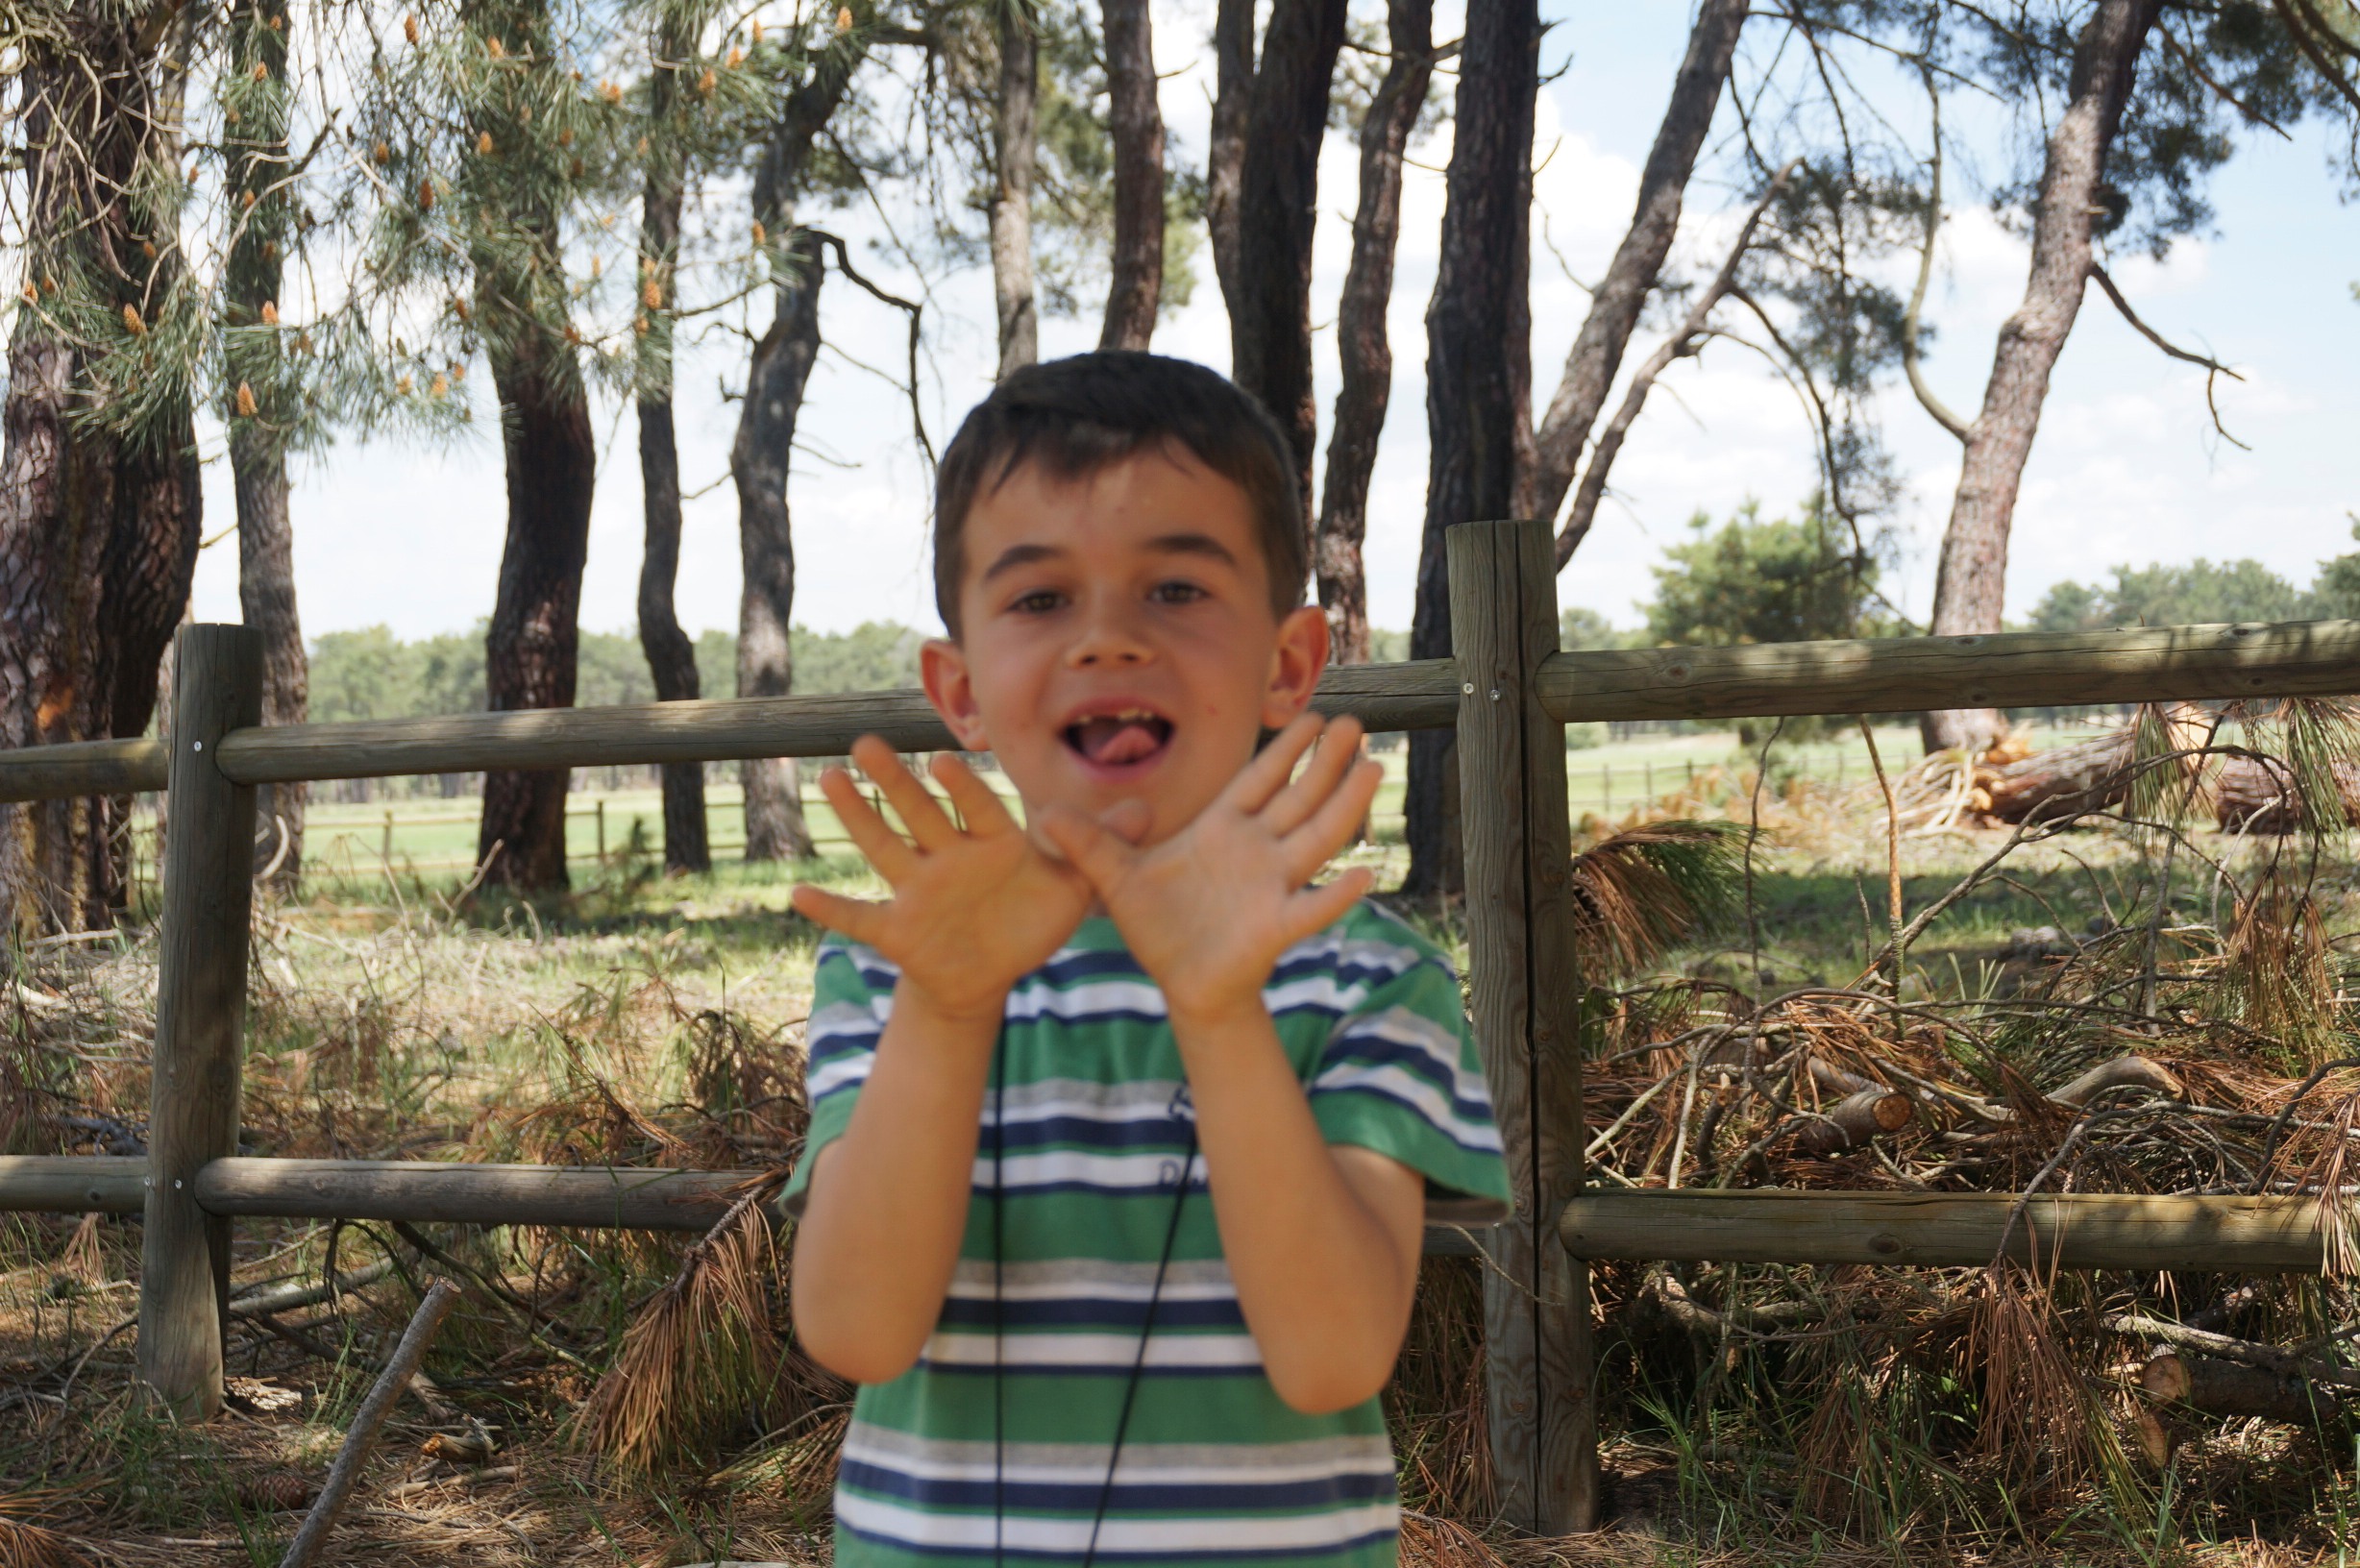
1118,739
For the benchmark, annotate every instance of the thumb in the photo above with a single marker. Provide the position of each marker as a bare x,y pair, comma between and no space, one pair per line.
1092,848
854,917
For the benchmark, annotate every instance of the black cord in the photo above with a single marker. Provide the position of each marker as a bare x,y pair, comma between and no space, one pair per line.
1139,1362
999,1445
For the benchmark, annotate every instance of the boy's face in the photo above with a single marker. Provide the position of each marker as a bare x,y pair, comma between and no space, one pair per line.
1117,642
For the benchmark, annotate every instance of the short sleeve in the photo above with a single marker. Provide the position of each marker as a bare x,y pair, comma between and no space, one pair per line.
1399,1075
851,997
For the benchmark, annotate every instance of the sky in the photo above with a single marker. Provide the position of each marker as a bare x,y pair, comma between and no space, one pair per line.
2127,467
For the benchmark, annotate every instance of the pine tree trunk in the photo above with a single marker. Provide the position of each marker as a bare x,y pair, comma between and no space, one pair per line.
758,461
671,659
1639,260
1015,137
533,650
1362,342
1478,374
258,449
1137,124
1278,189
98,531
1971,577
1233,105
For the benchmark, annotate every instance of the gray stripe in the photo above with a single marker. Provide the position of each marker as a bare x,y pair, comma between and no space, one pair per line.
1334,1454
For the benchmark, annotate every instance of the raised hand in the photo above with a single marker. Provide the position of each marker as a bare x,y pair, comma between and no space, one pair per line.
974,907
1208,911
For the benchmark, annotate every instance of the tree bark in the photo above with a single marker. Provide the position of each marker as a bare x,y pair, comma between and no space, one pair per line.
1278,189
671,659
258,441
758,461
1014,137
1479,373
1233,105
98,525
1137,125
776,378
1971,577
1361,337
1639,260
532,647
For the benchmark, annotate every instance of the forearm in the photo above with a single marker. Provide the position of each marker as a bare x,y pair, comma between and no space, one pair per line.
1320,1273
880,1233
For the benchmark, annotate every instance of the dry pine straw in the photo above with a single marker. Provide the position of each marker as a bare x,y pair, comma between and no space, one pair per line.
358,1021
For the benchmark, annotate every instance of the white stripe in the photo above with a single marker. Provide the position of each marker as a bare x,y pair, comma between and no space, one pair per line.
956,1458
1084,1002
1402,1085
839,1018
1157,1536
1324,991
1125,1099
1065,1168
1091,1279
837,1074
1107,1351
1399,1026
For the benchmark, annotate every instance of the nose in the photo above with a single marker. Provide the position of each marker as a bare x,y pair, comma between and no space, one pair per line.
1108,637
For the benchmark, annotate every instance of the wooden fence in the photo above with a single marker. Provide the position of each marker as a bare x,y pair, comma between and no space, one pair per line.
1507,693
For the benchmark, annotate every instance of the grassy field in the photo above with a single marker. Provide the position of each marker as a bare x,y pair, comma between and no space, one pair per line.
658,1021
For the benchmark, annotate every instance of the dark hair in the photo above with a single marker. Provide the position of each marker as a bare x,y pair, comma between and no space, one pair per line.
1077,415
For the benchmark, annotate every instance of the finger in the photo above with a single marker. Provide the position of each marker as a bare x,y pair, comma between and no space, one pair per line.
1314,908
1097,852
1339,746
919,812
1128,820
870,834
1263,777
981,810
1329,829
855,918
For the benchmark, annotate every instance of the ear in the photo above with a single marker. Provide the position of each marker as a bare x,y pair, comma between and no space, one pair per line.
942,666
1297,663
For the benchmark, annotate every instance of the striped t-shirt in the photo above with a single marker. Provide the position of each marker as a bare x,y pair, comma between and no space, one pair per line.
994,1447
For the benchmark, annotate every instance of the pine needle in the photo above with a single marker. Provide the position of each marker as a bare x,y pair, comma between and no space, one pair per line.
699,1357
1649,889
24,1544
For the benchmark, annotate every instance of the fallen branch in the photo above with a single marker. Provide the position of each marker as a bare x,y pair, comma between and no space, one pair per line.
2262,1357
361,1437
286,1298
2218,1387
2133,1071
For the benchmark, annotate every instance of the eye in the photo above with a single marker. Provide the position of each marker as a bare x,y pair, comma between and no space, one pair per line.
1176,592
1039,602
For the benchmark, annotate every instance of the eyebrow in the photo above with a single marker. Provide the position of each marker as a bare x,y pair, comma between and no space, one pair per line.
1169,544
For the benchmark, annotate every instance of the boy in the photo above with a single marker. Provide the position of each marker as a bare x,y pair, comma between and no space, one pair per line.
1123,1133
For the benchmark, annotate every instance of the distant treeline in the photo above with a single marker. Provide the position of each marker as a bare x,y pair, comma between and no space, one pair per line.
371,674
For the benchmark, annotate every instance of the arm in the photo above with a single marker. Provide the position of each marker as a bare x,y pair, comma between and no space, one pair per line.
1323,1242
880,1233
972,911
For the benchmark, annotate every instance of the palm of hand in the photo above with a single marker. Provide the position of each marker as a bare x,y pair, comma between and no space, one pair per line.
974,908
1208,911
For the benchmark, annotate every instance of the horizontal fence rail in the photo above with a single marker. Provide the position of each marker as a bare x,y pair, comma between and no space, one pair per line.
2212,1235
1420,694
578,1198
1900,674
1910,675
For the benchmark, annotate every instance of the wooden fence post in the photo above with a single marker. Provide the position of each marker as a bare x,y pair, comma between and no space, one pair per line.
1526,993
200,1019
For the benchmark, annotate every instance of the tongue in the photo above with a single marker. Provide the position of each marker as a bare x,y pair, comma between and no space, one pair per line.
1113,741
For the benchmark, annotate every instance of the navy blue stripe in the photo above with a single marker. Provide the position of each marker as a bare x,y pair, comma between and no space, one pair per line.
1160,1499
1417,1113
1134,1136
1011,1557
1092,1312
1145,1190
1095,1369
1416,1060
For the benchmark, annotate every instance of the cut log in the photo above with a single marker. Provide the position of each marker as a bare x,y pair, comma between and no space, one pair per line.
2089,775
1856,1122
2218,1387
2250,797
